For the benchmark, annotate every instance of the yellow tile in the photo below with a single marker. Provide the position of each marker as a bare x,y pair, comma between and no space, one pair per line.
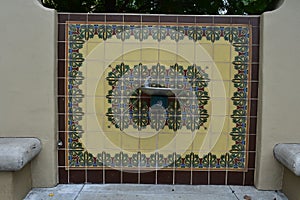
130,143
149,55
219,124
94,50
222,41
220,143
132,53
148,144
113,141
198,141
166,141
204,52
220,89
222,53
94,69
95,141
113,51
222,71
219,107
184,141
92,44
182,49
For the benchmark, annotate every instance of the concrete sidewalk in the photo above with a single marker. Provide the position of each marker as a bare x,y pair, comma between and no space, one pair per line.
151,192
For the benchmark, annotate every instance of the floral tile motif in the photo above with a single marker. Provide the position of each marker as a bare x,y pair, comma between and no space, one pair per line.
201,119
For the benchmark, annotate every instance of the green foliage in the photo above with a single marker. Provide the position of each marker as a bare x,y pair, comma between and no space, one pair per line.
251,7
199,7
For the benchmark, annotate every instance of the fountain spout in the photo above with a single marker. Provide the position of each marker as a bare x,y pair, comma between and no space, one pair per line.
147,82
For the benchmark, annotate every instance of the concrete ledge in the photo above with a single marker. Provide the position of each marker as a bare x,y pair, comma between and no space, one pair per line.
289,156
15,153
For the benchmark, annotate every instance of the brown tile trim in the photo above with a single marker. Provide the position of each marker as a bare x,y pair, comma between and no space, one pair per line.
253,111
169,19
96,17
114,18
255,72
77,176
255,54
132,18
200,177
61,32
112,176
61,137
62,18
187,19
148,177
235,178
251,160
217,178
61,122
249,177
94,176
61,87
61,50
183,177
254,90
240,20
255,36
252,143
130,177
63,175
255,21
78,17
164,177
205,20
61,105
61,69
150,18
253,124
61,158
222,20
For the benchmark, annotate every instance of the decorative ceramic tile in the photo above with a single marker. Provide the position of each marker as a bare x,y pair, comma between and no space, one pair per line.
150,94
134,92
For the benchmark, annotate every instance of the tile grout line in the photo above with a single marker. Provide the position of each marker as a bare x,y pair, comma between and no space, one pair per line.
79,192
232,191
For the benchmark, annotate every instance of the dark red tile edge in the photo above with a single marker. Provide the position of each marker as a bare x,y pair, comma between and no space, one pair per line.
112,176
235,178
63,175
130,177
183,177
77,176
217,177
95,176
164,177
148,177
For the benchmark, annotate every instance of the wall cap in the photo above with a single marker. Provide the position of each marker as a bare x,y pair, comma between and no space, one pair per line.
15,153
288,154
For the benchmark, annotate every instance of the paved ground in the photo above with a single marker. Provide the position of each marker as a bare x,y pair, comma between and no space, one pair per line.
151,192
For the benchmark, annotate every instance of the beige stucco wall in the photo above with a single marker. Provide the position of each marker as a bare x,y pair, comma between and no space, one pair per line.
279,87
290,185
27,80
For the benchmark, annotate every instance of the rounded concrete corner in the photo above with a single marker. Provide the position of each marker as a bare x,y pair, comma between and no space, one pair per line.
280,5
39,4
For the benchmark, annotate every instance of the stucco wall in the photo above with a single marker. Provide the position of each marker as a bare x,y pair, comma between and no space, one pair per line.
279,90
27,84
290,185
27,80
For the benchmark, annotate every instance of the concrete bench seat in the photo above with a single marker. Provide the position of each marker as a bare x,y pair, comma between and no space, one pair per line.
288,155
15,166
15,153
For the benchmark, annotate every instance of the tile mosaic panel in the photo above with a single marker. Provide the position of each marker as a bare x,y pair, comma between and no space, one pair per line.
151,95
